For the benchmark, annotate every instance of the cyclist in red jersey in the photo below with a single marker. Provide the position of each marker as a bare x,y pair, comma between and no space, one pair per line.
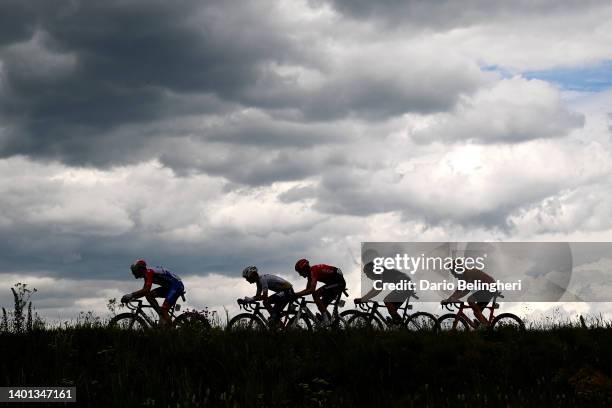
327,274
170,288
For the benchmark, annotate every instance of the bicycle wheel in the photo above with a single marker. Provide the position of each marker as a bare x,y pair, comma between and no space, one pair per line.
301,323
507,321
192,321
423,322
344,317
128,321
246,321
446,322
365,321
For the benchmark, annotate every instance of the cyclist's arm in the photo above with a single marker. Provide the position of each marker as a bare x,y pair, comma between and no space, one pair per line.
310,288
372,293
262,293
458,294
144,291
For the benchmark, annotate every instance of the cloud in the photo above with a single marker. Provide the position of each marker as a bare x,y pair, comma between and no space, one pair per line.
106,84
207,136
468,184
511,111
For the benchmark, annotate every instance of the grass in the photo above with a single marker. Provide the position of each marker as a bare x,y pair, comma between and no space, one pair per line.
566,366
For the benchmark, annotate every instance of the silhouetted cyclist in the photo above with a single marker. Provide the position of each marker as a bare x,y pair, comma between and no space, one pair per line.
170,288
275,303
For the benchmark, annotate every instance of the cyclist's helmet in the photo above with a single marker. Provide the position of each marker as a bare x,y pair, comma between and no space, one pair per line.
138,266
249,272
302,267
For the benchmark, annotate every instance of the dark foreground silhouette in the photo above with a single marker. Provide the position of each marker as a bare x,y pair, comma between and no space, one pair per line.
114,368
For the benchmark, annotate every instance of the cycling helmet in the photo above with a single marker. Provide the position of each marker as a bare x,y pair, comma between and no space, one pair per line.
302,266
138,265
249,272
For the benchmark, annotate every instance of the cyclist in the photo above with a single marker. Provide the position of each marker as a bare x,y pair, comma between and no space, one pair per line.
394,300
477,300
330,276
170,288
283,291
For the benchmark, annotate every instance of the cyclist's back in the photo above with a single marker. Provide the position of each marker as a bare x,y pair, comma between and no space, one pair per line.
161,276
274,283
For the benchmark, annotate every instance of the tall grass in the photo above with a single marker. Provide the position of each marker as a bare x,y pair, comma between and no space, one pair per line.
161,368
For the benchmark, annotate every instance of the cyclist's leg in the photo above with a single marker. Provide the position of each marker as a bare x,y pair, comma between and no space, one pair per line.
283,300
172,296
478,301
330,292
160,292
393,301
275,306
321,300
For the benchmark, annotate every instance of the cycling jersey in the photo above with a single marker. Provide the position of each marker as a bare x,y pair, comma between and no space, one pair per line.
274,283
325,273
161,277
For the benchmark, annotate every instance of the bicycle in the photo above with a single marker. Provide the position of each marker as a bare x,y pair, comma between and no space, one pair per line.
254,319
370,317
460,322
137,319
301,313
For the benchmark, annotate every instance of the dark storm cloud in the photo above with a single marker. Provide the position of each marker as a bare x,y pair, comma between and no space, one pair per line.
449,14
86,82
133,62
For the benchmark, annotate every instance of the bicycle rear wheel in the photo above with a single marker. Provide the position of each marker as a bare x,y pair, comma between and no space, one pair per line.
246,321
507,321
423,322
447,321
128,321
301,323
192,321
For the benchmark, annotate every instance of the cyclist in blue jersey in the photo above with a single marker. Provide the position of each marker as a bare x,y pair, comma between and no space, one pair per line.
170,288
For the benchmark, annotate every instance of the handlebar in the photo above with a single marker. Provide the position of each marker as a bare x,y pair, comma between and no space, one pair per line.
135,304
457,305
246,305
450,305
366,305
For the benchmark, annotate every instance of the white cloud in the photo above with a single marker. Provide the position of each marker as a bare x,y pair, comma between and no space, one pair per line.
509,111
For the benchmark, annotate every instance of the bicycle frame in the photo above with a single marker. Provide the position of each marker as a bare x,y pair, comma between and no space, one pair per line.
138,311
302,308
461,306
371,308
256,307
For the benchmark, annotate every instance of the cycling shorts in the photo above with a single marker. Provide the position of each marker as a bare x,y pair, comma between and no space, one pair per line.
482,298
170,293
280,299
332,291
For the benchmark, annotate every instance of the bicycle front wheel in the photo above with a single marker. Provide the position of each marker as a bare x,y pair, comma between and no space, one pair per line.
364,321
423,322
245,321
452,322
192,321
343,318
507,321
128,321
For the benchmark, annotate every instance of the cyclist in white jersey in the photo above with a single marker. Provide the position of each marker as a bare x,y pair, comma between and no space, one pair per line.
283,291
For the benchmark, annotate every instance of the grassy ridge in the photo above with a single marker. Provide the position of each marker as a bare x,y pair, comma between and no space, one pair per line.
562,367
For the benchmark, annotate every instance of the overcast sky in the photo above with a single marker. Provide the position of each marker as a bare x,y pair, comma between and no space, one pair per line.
205,136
